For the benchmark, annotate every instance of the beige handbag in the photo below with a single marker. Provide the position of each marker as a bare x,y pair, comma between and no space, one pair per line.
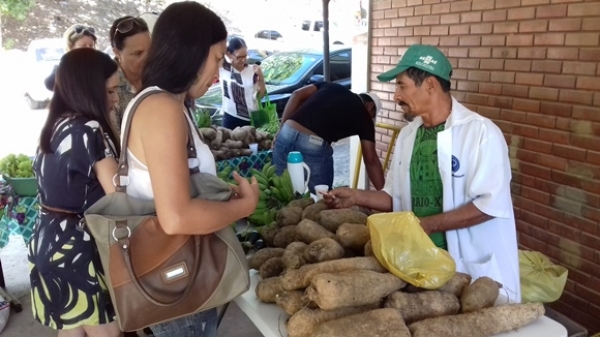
154,277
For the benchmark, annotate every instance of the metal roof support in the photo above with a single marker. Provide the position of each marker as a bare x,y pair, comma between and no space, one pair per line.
326,72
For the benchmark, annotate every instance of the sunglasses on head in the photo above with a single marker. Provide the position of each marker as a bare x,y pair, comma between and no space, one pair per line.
126,25
79,30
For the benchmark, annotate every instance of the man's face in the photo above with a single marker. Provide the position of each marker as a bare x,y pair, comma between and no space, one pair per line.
411,98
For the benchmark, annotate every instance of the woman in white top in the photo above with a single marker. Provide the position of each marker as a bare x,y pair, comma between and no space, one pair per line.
187,49
242,85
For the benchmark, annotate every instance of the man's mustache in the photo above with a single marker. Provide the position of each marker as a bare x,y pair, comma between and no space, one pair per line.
407,116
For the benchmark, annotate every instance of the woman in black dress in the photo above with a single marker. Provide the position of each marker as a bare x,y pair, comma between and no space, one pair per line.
74,166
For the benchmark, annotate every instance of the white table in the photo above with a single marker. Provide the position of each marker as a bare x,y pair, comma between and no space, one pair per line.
270,318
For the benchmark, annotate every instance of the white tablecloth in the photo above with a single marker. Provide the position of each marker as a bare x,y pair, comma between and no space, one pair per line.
270,318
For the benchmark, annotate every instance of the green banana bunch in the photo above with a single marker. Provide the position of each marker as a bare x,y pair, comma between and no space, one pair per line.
203,119
225,174
275,193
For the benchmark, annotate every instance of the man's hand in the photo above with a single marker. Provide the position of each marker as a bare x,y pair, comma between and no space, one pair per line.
342,197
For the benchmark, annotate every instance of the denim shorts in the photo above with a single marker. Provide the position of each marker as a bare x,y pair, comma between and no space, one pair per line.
316,152
202,324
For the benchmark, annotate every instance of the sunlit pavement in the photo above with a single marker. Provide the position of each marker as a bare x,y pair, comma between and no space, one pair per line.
20,126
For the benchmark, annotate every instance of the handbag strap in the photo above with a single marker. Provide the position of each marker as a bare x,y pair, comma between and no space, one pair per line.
121,179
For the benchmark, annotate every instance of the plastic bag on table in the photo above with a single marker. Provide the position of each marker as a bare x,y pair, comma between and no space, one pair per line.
541,280
403,248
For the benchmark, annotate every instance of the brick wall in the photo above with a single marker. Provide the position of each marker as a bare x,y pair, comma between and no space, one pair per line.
532,66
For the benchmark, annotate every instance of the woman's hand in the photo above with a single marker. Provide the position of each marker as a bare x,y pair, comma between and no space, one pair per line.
258,71
247,193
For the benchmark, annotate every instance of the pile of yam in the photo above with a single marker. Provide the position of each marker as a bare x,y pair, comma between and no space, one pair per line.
320,269
227,144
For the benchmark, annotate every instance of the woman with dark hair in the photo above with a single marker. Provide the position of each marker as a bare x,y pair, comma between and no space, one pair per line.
74,167
188,45
76,36
243,85
130,39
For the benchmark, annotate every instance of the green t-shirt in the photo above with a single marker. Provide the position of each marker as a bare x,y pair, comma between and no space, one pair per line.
425,180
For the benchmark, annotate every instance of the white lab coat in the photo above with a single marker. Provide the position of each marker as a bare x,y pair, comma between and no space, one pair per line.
474,167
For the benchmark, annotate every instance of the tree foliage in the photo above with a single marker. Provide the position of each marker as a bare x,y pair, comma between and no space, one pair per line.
17,9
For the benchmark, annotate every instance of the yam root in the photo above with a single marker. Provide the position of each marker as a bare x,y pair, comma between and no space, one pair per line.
302,203
245,152
481,323
362,210
208,133
312,212
353,236
239,134
271,268
265,144
233,144
331,219
457,284
374,323
369,249
291,301
285,236
480,294
268,289
310,231
289,216
257,259
226,132
300,278
326,249
293,257
268,233
352,288
423,305
304,322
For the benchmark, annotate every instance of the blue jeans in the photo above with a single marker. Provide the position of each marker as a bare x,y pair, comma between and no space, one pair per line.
231,122
202,324
317,154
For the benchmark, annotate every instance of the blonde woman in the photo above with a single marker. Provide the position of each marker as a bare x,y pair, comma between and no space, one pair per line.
76,36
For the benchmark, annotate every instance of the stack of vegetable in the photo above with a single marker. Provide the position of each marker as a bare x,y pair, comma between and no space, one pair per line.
319,267
227,144
16,166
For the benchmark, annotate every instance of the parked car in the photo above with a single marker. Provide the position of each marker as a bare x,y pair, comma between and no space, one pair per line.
285,72
42,56
268,34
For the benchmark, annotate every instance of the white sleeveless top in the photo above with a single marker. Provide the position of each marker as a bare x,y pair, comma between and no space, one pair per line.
139,177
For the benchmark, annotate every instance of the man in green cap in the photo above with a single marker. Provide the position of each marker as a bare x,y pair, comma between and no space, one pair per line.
451,169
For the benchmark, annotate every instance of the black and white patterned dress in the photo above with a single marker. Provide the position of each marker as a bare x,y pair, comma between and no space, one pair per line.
67,281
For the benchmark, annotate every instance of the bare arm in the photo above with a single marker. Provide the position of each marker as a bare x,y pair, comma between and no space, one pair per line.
462,217
296,100
162,131
262,89
372,164
345,197
377,200
105,170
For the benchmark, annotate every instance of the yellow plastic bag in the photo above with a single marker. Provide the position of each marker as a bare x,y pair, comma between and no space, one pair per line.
541,280
403,248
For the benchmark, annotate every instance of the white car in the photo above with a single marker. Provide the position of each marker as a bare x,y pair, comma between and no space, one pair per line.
42,56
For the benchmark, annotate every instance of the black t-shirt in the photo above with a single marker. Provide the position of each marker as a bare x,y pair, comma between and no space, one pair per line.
334,112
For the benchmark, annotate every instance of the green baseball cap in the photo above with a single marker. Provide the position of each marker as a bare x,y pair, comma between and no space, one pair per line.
424,57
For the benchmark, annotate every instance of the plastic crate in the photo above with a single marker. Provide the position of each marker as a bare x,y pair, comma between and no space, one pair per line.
573,329
26,187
